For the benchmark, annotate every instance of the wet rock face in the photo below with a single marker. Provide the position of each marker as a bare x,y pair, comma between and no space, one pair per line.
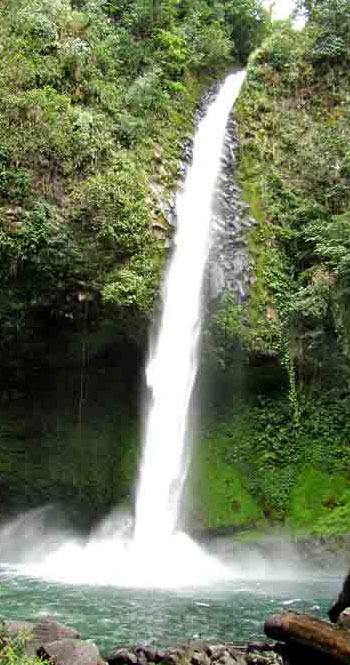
228,264
228,267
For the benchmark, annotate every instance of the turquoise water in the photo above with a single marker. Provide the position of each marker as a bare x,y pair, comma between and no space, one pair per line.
233,612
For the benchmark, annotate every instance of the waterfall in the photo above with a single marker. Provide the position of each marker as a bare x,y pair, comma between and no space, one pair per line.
172,366
157,555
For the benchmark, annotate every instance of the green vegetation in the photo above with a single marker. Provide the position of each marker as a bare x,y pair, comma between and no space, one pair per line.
256,465
314,497
295,136
286,351
12,650
223,498
96,99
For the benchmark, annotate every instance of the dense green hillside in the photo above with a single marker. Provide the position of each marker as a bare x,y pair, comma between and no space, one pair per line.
96,99
289,439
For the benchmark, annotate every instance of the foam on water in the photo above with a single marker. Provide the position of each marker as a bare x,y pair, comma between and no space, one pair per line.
175,563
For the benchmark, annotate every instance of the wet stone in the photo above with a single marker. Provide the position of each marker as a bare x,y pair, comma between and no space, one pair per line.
71,652
216,651
173,658
343,620
260,646
122,657
226,659
38,634
24,627
148,652
264,659
200,658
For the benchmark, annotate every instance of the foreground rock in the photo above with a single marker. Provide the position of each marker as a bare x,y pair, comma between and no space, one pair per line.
307,636
38,634
301,639
55,642
70,652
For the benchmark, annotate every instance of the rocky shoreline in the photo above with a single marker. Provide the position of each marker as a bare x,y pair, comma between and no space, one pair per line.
62,645
198,652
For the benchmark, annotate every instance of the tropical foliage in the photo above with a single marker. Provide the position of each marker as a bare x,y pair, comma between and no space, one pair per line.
96,99
87,90
290,343
294,169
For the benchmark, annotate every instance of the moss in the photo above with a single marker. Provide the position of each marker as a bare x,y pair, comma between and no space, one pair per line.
335,521
264,324
314,498
279,474
223,497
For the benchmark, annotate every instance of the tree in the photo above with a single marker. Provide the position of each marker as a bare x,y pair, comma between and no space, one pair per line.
248,23
331,18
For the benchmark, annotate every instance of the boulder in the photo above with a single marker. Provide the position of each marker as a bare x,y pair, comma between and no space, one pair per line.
39,634
153,655
216,651
122,657
23,627
265,659
304,634
172,658
200,658
342,602
198,652
227,659
68,651
141,657
343,620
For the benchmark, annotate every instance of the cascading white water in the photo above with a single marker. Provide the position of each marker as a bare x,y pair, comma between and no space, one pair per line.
172,367
156,555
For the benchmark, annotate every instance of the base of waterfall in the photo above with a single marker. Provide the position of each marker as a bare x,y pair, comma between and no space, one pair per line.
176,563
38,545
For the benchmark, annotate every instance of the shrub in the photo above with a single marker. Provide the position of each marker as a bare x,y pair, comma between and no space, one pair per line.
12,649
